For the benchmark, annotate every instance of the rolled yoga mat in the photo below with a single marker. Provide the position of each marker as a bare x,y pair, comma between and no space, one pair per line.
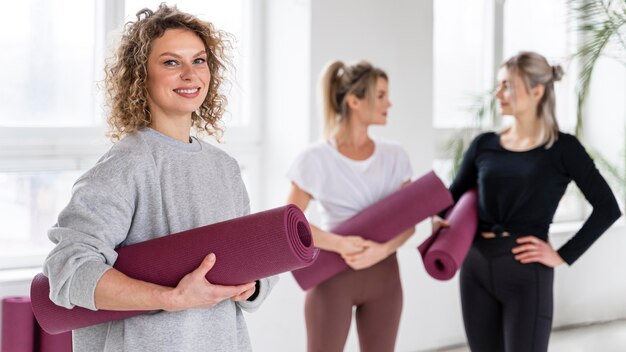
54,343
247,249
18,325
381,222
444,251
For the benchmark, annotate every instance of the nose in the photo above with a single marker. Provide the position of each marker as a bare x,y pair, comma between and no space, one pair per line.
186,72
498,93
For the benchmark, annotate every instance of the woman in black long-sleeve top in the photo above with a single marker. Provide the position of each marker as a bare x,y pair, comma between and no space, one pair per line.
521,174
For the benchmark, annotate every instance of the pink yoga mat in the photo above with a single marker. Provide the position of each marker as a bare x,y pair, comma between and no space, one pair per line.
247,249
55,343
18,325
381,222
444,251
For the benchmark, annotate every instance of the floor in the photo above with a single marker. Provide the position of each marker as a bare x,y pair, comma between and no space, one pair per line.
599,337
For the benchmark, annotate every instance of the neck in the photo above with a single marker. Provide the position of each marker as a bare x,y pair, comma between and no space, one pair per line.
177,128
353,135
526,126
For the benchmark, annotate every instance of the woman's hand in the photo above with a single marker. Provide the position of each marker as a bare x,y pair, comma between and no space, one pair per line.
348,245
438,223
535,250
245,295
373,253
195,291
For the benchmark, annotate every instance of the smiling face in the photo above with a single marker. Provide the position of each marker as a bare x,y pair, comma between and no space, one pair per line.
178,75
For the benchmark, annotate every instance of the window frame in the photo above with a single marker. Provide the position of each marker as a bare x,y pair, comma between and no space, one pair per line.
32,149
444,133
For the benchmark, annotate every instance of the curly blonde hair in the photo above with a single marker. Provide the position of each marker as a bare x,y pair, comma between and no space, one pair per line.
127,71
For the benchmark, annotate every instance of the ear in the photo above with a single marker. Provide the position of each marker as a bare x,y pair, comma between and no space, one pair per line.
353,102
537,92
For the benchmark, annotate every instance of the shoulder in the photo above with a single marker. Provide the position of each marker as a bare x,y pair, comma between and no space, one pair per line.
128,154
569,149
390,148
320,147
482,141
118,172
568,145
315,152
219,157
567,140
485,138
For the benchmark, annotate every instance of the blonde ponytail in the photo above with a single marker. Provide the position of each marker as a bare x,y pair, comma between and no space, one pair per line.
337,82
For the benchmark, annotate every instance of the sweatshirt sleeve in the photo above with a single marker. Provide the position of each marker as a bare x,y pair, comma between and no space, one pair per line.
88,230
265,286
582,170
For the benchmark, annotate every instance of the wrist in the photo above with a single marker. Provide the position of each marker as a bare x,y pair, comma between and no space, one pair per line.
335,243
389,248
169,299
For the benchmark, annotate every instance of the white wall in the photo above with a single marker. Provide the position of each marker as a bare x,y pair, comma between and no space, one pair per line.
605,117
300,37
303,35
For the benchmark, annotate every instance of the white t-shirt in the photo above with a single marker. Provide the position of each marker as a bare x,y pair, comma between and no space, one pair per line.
343,187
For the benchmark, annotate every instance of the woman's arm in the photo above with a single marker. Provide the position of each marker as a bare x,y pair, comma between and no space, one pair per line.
325,240
376,252
116,291
580,167
79,268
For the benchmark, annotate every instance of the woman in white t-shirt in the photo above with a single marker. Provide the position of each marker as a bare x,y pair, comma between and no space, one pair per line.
346,173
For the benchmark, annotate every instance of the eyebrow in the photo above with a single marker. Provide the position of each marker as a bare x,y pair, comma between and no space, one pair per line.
167,53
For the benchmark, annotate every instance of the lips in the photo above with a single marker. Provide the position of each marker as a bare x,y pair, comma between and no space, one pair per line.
188,92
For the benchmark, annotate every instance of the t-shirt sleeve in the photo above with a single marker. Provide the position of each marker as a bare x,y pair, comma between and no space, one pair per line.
91,226
305,172
580,167
404,169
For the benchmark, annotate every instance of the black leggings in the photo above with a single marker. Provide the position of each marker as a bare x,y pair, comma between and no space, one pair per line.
507,305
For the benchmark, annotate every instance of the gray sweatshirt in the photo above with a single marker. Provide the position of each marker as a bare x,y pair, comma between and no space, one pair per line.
146,186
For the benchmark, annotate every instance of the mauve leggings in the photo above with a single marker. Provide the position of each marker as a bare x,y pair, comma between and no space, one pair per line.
377,294
507,305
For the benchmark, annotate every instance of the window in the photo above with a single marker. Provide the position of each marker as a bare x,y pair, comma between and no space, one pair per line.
471,40
463,58
50,65
52,117
543,26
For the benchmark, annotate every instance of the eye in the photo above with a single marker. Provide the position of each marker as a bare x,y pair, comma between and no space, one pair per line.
170,63
199,60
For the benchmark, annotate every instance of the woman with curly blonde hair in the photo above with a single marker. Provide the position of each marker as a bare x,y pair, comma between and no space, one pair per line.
156,180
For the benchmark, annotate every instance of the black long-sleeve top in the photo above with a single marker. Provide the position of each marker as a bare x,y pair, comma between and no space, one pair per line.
520,191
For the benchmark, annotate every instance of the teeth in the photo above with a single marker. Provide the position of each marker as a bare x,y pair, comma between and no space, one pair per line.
187,91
